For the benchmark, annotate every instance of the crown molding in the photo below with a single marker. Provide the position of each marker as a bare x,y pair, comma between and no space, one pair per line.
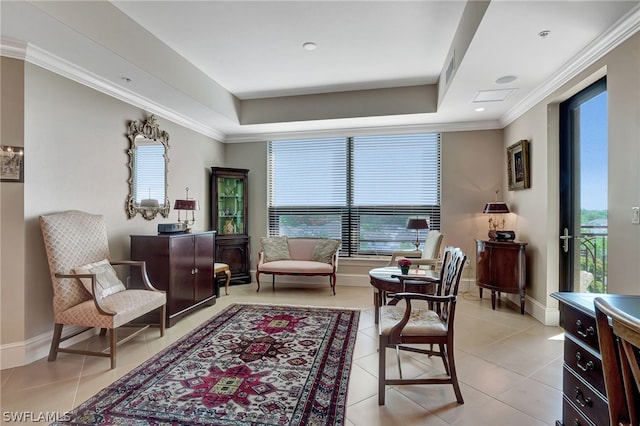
358,131
40,57
10,48
626,27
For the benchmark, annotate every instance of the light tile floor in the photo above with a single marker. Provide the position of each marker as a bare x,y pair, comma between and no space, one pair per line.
509,365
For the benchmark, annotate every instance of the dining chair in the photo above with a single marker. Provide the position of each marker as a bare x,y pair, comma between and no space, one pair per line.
619,340
425,319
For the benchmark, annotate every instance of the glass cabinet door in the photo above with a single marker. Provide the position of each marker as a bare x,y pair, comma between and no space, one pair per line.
230,206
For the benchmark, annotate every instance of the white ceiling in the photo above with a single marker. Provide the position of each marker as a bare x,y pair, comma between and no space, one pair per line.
212,65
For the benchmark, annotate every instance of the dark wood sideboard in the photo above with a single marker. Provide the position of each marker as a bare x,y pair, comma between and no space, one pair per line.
501,268
180,264
584,401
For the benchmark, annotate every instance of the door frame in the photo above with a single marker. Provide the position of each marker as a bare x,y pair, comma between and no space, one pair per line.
567,179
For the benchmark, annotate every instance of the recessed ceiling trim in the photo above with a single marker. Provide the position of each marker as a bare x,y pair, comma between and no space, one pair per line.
50,62
358,131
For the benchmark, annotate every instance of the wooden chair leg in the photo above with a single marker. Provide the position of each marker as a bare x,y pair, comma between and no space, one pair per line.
258,281
163,319
454,376
381,371
226,284
55,342
103,331
113,344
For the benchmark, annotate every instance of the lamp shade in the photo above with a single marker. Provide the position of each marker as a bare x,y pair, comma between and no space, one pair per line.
186,205
417,224
496,207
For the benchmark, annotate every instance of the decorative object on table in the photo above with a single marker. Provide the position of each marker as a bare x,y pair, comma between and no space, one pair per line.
518,165
497,211
417,224
11,163
404,265
188,204
229,228
216,374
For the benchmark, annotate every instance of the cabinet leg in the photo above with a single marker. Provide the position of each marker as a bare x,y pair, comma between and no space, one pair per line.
480,291
521,304
493,300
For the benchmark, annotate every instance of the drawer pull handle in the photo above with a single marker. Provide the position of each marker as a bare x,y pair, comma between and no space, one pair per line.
589,366
590,331
580,399
576,422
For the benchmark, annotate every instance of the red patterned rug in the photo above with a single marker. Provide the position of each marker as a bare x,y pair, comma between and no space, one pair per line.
248,365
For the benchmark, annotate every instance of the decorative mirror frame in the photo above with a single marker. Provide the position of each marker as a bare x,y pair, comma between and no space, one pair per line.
147,129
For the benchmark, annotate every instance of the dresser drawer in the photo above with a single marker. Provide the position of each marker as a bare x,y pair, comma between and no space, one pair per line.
571,416
586,399
582,327
584,362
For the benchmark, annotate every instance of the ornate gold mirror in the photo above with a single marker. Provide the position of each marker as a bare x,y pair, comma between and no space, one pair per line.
148,166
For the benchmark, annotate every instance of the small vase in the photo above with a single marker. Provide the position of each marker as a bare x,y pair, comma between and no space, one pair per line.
404,269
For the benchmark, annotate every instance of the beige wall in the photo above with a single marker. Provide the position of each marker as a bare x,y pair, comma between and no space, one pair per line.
12,248
75,142
472,170
537,207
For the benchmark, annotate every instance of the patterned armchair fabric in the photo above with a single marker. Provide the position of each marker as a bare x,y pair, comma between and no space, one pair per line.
72,239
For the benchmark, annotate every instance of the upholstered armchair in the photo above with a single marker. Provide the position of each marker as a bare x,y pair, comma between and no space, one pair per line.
86,289
427,258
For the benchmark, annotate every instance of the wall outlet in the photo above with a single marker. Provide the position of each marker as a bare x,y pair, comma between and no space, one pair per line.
635,215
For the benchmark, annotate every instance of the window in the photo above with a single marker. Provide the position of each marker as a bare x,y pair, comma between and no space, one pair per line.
360,189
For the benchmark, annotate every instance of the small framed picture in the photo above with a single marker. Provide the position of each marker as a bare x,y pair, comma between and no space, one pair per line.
518,166
11,163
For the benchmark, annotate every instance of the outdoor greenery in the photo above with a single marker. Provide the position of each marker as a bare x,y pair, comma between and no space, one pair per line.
593,248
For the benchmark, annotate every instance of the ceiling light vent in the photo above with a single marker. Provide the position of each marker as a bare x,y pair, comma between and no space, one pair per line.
492,95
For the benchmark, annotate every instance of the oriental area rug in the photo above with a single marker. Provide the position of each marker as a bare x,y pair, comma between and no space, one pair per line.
248,365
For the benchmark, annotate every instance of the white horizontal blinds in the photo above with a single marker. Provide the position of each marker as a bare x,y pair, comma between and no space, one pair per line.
307,187
150,175
395,177
362,190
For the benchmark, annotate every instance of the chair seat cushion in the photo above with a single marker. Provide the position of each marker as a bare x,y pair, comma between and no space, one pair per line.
296,267
129,305
422,322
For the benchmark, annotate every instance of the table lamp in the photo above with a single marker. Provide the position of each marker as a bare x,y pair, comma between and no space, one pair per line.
417,224
187,204
496,211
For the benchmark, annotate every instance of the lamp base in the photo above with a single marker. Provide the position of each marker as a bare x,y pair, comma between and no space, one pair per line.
502,235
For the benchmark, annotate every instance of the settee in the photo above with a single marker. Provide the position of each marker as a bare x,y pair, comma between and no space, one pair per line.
298,256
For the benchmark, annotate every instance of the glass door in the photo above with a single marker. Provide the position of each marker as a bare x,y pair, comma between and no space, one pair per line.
583,190
230,205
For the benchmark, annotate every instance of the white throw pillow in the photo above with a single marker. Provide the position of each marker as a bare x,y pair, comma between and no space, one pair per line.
107,280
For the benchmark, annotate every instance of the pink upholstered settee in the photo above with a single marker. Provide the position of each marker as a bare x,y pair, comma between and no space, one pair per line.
298,256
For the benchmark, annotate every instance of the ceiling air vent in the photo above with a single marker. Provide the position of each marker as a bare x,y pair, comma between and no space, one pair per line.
492,95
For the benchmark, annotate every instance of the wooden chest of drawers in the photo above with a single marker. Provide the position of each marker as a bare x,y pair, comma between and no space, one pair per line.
584,396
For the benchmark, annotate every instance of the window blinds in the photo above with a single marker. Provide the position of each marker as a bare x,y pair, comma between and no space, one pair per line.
359,189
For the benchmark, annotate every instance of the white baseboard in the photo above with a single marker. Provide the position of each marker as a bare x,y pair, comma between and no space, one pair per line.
22,353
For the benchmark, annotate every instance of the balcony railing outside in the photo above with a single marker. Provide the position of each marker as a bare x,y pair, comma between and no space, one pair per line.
593,258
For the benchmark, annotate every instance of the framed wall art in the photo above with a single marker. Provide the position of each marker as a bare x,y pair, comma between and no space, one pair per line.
11,163
518,166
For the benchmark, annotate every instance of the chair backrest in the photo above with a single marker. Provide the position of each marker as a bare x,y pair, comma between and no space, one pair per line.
453,262
619,341
71,239
432,244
